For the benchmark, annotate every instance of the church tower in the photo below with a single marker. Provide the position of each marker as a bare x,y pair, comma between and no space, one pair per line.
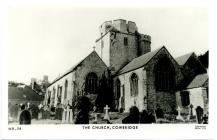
120,42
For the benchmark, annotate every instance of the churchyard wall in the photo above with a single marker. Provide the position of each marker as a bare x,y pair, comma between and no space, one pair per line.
17,101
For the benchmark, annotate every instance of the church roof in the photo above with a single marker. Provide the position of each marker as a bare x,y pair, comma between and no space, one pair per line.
199,81
139,61
181,60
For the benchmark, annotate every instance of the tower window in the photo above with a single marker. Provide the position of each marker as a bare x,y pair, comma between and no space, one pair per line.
125,41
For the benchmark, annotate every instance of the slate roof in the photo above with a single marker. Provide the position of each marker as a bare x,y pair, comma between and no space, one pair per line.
25,93
181,60
199,81
139,61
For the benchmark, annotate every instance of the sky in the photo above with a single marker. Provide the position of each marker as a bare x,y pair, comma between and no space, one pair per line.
49,40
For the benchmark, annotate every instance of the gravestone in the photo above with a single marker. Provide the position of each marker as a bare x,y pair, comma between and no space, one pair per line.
52,113
159,113
28,105
46,113
106,117
179,117
205,119
34,112
199,112
67,115
59,112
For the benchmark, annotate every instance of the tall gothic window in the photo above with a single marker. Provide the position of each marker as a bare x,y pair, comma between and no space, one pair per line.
117,89
66,89
134,85
164,75
91,83
185,98
59,95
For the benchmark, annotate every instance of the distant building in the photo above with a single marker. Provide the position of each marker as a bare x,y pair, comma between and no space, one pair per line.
22,95
40,86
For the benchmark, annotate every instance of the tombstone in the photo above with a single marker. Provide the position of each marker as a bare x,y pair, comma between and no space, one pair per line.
106,117
46,113
133,117
179,117
52,113
28,105
34,112
199,112
67,115
40,106
59,112
159,113
205,119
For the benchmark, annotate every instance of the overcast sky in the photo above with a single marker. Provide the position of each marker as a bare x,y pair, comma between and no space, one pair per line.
50,40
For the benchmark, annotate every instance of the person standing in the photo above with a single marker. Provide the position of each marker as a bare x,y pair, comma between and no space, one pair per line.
25,116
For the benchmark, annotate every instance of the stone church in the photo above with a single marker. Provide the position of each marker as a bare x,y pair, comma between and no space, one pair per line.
141,77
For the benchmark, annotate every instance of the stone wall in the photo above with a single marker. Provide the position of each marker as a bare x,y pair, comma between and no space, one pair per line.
103,48
61,83
92,63
128,99
120,54
166,100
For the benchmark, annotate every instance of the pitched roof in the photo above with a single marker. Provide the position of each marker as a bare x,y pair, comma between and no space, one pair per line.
73,68
139,61
181,60
25,93
199,81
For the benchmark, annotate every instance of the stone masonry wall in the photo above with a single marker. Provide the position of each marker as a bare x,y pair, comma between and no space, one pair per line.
166,100
92,63
120,54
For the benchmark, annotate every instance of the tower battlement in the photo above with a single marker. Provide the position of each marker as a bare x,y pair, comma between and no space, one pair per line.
145,38
119,25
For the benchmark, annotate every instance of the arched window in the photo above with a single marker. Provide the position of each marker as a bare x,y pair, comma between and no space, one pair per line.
134,85
66,89
91,83
117,89
59,94
164,75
